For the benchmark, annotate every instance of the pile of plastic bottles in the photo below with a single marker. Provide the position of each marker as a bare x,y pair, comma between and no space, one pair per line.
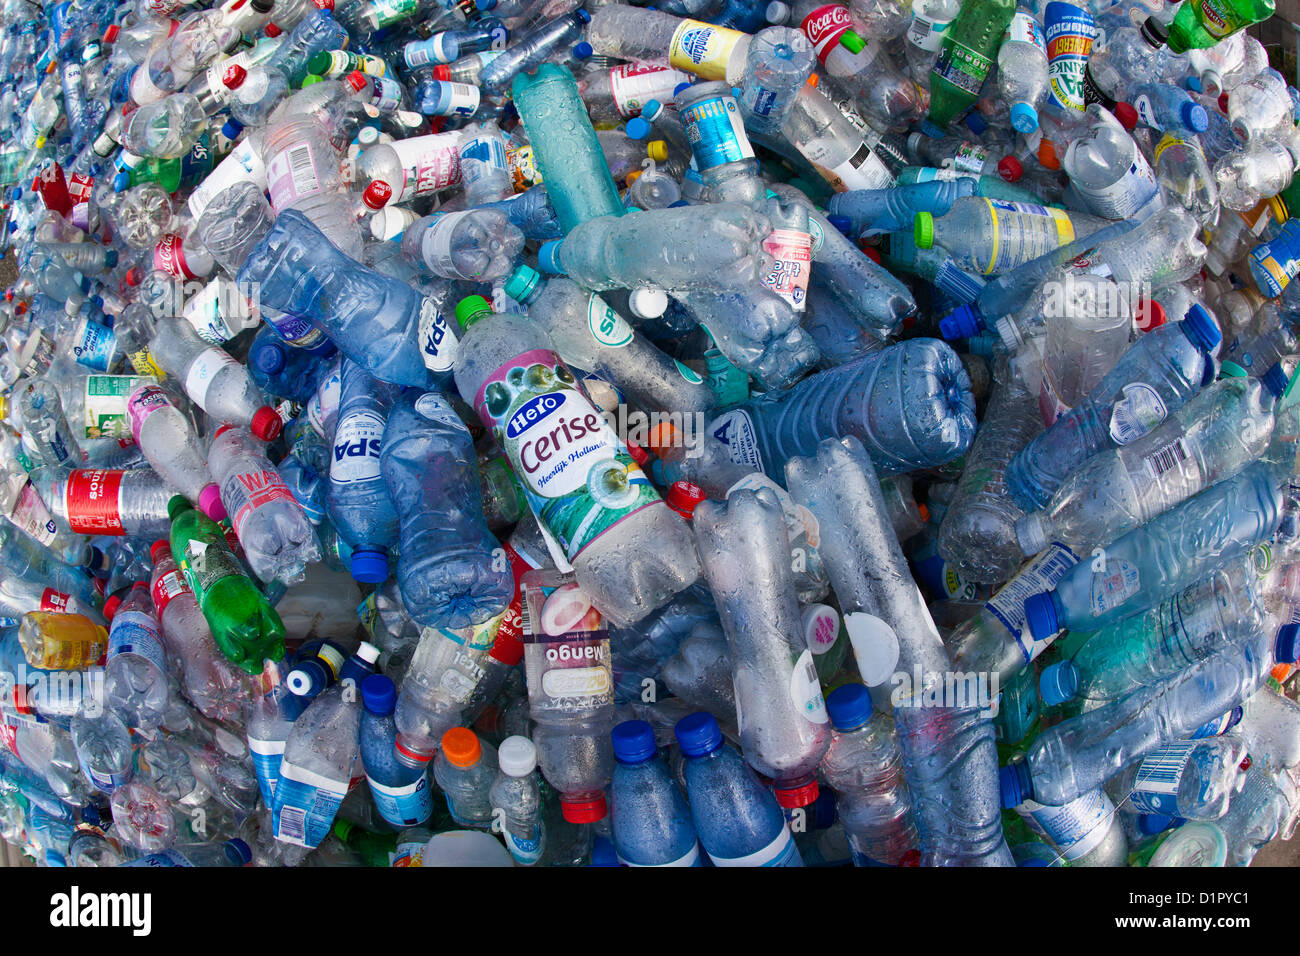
521,432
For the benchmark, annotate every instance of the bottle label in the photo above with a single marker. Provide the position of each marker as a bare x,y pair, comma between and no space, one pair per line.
429,163
305,805
567,658
863,170
690,858
203,312
716,132
56,602
143,362
292,175
407,854
523,167
526,849
1120,581
324,404
780,852
267,755
392,11
791,253
107,414
735,429
824,26
1050,405
406,806
90,501
1023,231
1155,788
135,632
961,67
462,99
703,49
1275,263
1041,574
243,163
1140,410
165,858
168,586
632,85
926,33
244,492
1070,32
357,444
140,405
806,690
438,343
1171,456
31,515
1075,829
481,157
578,477
101,781
1092,93
1217,726
169,257
1219,19
94,345
1128,194
606,326
203,372
205,563
1024,29
971,158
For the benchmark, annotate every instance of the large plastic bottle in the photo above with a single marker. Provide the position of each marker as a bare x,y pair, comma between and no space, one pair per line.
135,677
738,820
992,235
168,441
650,818
1108,171
106,501
529,399
401,793
1022,71
316,769
1203,24
965,57
449,570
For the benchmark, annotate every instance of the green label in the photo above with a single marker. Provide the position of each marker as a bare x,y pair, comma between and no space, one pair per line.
106,415
962,67
391,11
204,564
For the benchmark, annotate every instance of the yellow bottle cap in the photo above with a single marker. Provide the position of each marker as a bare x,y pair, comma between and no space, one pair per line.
657,150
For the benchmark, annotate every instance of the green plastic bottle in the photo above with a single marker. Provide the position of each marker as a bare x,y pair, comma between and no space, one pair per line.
243,623
565,147
1203,23
970,46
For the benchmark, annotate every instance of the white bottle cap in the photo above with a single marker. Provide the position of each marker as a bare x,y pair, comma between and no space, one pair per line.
821,627
777,12
647,303
517,756
368,652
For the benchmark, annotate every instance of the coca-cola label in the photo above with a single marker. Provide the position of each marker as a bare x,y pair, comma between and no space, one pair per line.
824,27
169,257
91,501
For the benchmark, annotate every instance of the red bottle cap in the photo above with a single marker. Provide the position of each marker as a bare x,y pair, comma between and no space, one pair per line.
266,424
683,497
442,72
272,30
357,80
158,548
110,35
110,607
583,811
872,253
639,454
1149,315
1127,115
377,194
235,76
1010,168
790,798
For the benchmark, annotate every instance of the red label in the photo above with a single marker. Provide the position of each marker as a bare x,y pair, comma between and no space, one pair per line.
91,502
253,489
52,600
167,587
9,735
508,648
168,257
80,187
824,27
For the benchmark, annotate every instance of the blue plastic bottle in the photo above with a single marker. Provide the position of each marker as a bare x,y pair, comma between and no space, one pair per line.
909,404
651,821
1156,376
875,211
448,573
738,819
282,370
358,499
401,791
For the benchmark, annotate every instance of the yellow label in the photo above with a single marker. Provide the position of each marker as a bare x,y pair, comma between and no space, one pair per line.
1064,227
143,363
703,49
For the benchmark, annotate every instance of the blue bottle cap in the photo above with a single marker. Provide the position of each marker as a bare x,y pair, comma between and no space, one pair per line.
1149,824
1195,118
1024,118
651,110
1200,327
975,123
849,706
1275,380
634,741
1040,614
1014,785
962,323
307,679
583,51
698,734
370,567
637,128
583,15
231,128
603,852
1033,861
679,203
842,224
519,285
1287,647
379,695
680,88
110,260
1193,83
1059,682
548,257
122,182
269,357
241,849
931,130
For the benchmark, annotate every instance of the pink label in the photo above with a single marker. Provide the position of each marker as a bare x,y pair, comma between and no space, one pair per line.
788,276
143,402
169,257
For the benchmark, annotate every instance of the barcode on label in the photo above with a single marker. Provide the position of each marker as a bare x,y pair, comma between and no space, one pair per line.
303,170
1162,771
525,614
293,824
1160,461
810,672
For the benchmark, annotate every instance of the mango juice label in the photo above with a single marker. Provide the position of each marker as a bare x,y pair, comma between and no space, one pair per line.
578,477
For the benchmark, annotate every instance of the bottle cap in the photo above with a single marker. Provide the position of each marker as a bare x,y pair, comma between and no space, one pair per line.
377,194
311,79
370,567
634,741
849,706
583,51
121,182
156,551
548,257
517,756
234,76
442,73
110,607
239,846
1149,824
1127,115
1047,157
268,357
683,497
680,88
1200,327
647,303
872,253
1154,32
842,224
799,795
308,678
777,12
923,230
110,35
1232,370
319,62
231,128
522,283
1014,784
1275,380
976,124
177,505
357,80
962,323
852,42
210,502
266,424
650,110
1058,683
660,437
1287,646
1040,614
639,454
461,747
583,15
1024,118
698,734
1223,102
583,811
657,150
379,695
637,128
1149,315
1193,84
272,31
1195,117
471,309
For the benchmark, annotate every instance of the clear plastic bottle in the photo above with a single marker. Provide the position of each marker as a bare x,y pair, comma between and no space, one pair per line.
320,752
991,235
1192,779
1085,832
516,801
477,245
1022,71
104,750
106,501
465,769
135,677
401,792
777,65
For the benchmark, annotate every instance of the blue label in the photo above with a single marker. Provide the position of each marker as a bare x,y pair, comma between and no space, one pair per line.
526,850
405,806
716,132
95,346
305,808
267,755
1276,262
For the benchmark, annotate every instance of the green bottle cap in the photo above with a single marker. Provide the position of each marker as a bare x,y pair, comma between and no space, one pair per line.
1232,370
852,42
472,309
319,62
923,230
522,284
311,79
177,506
